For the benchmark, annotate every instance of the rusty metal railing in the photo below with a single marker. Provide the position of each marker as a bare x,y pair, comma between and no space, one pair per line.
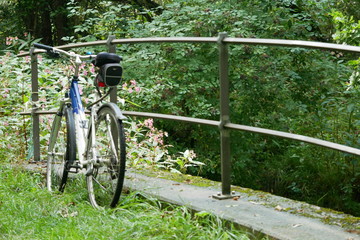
224,124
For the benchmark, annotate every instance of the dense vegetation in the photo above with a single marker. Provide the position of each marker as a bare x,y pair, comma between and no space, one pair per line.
38,214
309,92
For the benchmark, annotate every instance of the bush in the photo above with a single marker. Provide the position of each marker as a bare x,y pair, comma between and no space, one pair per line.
309,92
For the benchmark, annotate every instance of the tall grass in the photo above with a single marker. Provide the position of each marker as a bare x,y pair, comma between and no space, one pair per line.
29,211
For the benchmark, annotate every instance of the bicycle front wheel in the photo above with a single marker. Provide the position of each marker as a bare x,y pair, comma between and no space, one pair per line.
62,150
105,177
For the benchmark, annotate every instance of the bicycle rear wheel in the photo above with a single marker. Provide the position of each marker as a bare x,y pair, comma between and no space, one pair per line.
62,150
105,177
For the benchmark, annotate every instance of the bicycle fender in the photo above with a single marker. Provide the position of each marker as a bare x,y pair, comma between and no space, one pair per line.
115,108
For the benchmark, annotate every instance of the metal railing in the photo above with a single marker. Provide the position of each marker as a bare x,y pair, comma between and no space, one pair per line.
224,124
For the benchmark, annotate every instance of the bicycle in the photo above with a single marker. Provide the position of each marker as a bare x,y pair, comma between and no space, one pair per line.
95,146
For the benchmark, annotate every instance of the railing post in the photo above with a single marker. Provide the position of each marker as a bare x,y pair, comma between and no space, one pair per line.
224,119
112,49
35,99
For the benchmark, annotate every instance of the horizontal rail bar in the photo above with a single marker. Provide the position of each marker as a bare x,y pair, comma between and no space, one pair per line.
166,40
292,136
173,117
251,41
245,128
43,112
297,137
144,114
293,43
39,112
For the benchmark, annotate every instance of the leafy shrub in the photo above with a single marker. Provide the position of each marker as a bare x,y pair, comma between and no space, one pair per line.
309,92
14,98
294,90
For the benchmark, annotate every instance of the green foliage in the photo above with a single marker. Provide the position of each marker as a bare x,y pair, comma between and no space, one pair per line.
145,143
309,92
104,17
14,98
8,25
293,90
347,29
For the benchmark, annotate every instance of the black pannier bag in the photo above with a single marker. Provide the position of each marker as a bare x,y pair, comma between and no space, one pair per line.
110,73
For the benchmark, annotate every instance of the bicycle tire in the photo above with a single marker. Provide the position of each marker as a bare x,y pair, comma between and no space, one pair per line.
105,178
62,151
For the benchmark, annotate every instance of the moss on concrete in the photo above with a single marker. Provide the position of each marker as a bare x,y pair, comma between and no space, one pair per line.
328,216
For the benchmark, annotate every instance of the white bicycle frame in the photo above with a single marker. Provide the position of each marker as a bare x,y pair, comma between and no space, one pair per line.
81,121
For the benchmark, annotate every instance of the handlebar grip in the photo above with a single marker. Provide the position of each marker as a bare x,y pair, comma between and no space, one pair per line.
42,46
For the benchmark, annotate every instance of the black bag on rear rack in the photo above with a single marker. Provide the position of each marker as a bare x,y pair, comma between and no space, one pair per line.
110,75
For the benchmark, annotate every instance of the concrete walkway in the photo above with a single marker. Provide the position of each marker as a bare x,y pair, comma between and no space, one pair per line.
257,212
274,216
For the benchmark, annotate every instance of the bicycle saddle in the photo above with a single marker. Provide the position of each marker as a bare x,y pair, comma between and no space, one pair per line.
104,58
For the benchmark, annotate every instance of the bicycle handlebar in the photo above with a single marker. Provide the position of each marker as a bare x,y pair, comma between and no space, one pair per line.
42,46
55,52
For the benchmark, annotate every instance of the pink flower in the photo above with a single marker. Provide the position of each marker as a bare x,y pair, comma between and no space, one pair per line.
149,123
137,89
133,82
130,90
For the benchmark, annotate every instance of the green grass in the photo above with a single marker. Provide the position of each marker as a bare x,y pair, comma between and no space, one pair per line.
29,211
